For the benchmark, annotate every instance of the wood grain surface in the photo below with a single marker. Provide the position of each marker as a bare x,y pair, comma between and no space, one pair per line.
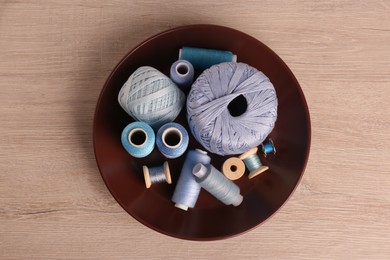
54,58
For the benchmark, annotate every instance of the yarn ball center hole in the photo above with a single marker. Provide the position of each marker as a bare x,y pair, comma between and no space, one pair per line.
182,69
172,137
237,106
137,137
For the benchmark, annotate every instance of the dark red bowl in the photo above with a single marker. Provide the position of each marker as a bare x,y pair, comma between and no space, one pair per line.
210,219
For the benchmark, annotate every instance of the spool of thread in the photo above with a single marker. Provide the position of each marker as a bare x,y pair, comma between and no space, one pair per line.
233,168
157,174
202,59
217,184
138,139
231,108
187,189
151,97
268,148
253,163
172,140
182,74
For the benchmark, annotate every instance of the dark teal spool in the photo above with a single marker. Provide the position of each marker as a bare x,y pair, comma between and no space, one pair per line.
202,59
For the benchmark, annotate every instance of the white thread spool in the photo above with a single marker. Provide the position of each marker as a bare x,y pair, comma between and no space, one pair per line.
138,139
182,73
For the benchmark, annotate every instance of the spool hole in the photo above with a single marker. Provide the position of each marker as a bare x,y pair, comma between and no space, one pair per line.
137,137
233,168
172,137
182,69
237,106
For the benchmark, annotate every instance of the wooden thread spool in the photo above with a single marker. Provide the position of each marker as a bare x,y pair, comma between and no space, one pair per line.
157,174
253,163
233,168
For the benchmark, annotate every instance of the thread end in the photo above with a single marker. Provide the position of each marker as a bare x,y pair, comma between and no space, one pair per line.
238,200
181,206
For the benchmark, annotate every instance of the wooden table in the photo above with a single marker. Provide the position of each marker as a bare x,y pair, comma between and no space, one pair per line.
54,58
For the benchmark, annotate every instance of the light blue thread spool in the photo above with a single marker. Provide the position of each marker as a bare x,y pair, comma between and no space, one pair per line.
157,174
268,148
187,189
253,163
217,184
202,59
182,73
172,140
138,139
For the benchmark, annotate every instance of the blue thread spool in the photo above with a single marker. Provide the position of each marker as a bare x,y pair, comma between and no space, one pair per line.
217,184
182,74
157,174
268,148
253,163
202,59
138,139
172,140
187,189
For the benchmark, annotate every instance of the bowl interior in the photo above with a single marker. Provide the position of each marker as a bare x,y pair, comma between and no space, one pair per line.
210,219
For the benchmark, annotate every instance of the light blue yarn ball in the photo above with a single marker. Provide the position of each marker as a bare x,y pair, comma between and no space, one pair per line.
208,108
151,97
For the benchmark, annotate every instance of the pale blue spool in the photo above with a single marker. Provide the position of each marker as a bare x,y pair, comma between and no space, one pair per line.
210,119
172,140
182,74
202,59
217,184
187,189
252,162
146,138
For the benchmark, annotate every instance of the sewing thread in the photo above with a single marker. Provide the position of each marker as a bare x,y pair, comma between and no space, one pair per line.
156,174
187,189
172,140
202,59
217,184
138,139
268,148
253,163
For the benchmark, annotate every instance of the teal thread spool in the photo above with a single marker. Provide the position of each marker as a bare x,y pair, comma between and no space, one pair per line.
156,174
202,59
253,163
268,148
